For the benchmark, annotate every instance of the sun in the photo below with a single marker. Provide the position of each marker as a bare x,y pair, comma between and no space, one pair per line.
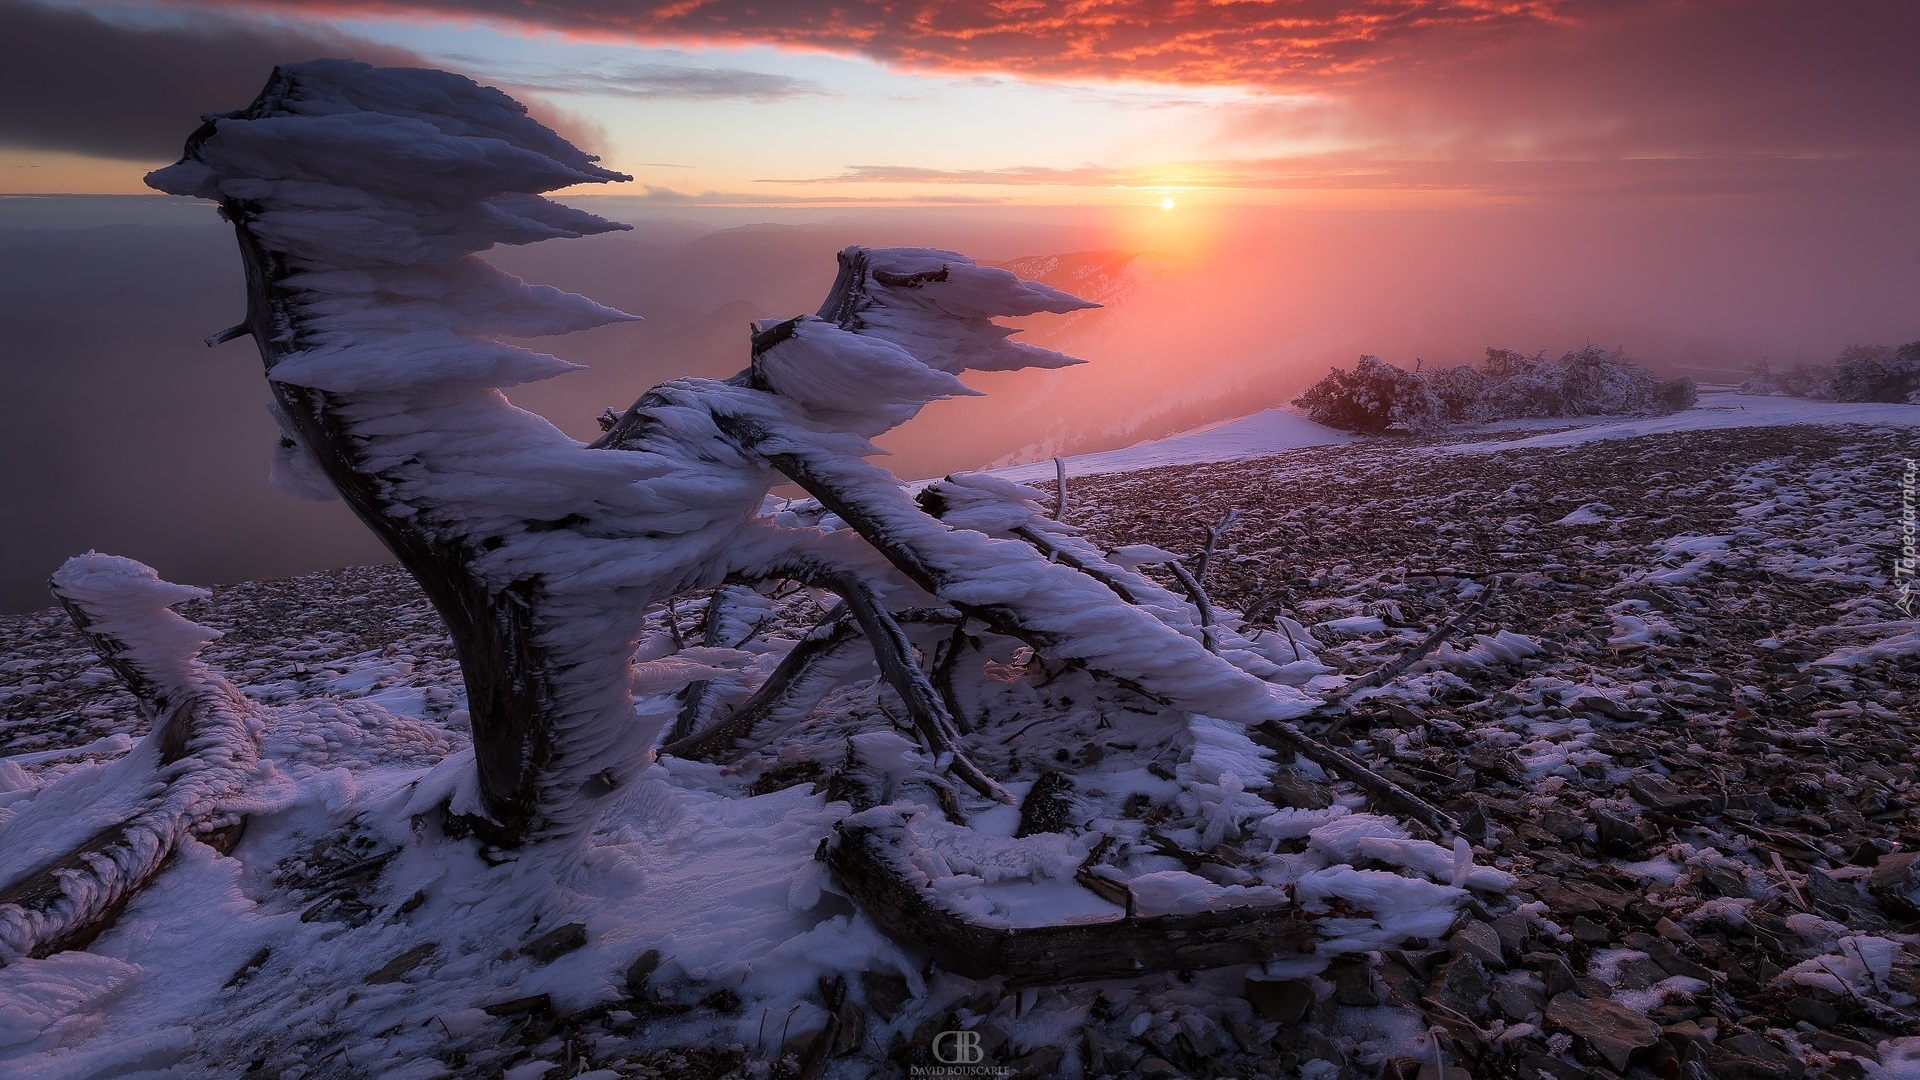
1168,203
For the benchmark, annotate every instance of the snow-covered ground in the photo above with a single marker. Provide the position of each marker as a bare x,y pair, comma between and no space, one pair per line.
1267,432
1272,430
1715,411
1688,609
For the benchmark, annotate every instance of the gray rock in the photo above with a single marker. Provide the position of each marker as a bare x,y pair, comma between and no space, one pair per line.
1614,1031
1656,794
1514,931
1589,932
1893,883
1460,988
1283,1001
1818,1013
1554,971
885,991
640,971
1480,941
1516,1001
1352,979
1638,974
1156,1068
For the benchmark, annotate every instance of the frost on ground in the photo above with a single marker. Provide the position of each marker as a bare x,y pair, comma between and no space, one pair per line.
1686,723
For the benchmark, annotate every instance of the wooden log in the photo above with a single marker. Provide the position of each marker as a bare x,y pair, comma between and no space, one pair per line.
863,861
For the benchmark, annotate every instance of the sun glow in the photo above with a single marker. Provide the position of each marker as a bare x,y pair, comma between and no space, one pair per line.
1168,203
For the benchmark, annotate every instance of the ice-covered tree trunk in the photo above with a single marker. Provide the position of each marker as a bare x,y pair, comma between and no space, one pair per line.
359,197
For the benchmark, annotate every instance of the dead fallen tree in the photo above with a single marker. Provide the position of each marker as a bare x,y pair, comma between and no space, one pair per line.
360,198
72,860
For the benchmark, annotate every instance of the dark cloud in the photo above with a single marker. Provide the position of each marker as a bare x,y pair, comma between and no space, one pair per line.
72,81
75,81
659,81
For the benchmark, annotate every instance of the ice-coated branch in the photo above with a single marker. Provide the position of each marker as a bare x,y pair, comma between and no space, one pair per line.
814,666
699,699
1388,672
1059,488
1196,593
924,703
1203,564
1057,610
1005,584
76,852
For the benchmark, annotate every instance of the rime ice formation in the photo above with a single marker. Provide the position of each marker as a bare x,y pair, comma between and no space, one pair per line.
361,195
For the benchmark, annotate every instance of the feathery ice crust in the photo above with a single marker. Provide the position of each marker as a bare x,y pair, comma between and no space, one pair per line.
362,196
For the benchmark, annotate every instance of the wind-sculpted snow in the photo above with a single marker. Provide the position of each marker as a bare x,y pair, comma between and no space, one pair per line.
370,189
1075,615
901,325
197,769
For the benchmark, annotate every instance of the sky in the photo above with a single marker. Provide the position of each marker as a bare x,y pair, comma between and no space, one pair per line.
1261,188
1132,102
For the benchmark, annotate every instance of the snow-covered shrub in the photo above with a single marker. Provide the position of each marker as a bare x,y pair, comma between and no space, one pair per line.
1803,381
1597,382
1522,385
1463,393
1875,373
1372,397
1511,385
1760,383
1676,395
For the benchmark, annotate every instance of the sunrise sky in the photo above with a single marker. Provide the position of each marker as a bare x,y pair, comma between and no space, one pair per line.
1302,102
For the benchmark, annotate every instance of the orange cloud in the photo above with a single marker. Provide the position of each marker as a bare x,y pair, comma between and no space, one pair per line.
1480,79
1287,44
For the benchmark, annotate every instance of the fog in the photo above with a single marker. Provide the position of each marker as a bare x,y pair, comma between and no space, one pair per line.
120,432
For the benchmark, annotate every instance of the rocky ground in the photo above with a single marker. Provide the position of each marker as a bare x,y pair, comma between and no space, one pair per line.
1684,722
